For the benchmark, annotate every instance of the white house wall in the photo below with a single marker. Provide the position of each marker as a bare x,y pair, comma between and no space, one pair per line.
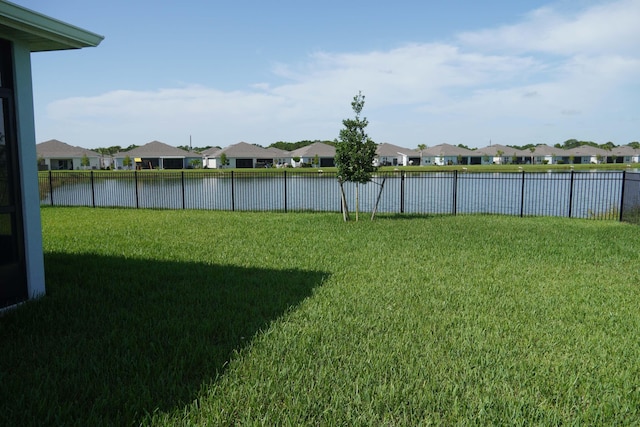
53,163
28,171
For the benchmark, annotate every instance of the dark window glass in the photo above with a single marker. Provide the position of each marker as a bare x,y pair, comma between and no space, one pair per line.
5,193
7,241
6,69
13,283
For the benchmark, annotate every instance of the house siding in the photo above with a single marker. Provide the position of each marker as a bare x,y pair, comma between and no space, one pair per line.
28,171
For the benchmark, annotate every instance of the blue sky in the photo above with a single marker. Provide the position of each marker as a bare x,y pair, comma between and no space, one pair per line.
432,72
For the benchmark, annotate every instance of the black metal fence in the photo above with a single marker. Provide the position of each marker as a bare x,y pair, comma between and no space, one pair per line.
630,207
596,195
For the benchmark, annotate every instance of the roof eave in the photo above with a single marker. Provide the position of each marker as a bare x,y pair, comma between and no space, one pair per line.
42,33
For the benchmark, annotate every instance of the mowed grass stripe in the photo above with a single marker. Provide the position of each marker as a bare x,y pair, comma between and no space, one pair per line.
289,319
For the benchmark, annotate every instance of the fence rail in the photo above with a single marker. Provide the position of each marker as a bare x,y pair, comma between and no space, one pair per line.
630,206
597,195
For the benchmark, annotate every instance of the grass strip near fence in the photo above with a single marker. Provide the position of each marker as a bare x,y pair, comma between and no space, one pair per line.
493,168
218,318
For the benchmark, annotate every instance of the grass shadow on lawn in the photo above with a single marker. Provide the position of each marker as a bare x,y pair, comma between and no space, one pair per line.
117,338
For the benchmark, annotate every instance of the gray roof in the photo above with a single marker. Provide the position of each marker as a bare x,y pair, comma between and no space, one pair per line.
277,152
492,150
57,149
625,150
546,150
319,149
447,150
587,150
242,149
211,152
389,150
155,149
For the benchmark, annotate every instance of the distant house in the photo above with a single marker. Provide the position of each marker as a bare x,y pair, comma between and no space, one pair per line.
393,155
324,153
501,154
544,154
244,155
586,154
193,160
23,31
58,155
624,154
154,155
447,154
210,159
278,156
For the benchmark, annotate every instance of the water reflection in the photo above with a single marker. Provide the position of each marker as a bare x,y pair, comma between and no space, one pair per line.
580,194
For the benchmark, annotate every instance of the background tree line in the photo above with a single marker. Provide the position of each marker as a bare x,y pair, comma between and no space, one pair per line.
567,145
573,143
290,146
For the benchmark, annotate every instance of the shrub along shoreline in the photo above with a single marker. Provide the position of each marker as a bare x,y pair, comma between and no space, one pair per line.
201,317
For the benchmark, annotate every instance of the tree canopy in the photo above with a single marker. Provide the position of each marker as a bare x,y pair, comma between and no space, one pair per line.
290,146
355,151
522,147
194,149
573,143
108,151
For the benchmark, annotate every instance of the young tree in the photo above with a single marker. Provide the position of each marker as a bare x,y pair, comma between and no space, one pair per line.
355,153
421,147
127,162
84,162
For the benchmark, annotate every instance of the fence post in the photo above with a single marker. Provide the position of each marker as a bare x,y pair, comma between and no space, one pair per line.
135,178
522,197
401,191
182,179
233,196
93,191
285,190
51,187
571,194
624,180
455,193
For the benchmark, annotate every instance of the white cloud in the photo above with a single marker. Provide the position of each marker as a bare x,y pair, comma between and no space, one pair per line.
543,71
406,75
606,28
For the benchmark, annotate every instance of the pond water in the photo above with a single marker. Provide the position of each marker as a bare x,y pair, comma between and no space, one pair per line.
580,194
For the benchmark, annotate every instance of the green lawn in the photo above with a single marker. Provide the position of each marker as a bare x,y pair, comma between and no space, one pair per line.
220,318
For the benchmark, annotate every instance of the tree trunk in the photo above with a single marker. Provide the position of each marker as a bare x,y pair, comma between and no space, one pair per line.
357,200
375,208
343,199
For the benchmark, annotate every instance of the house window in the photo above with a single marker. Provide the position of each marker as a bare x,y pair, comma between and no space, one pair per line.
13,282
244,163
